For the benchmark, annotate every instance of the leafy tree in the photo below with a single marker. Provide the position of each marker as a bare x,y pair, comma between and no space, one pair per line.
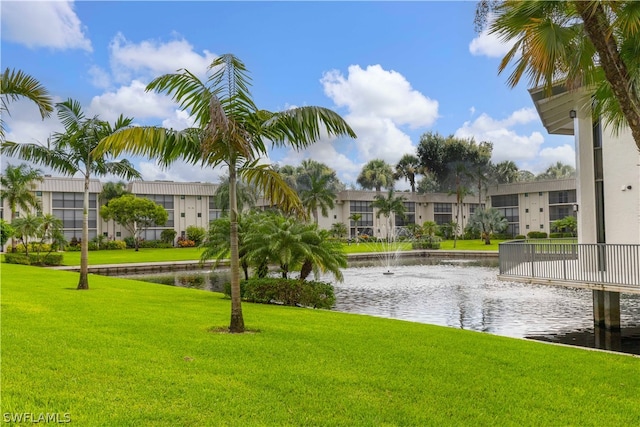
428,184
525,176
355,218
72,152
230,130
488,221
17,188
389,205
408,167
557,171
6,231
375,175
430,229
14,85
591,44
440,156
566,224
135,214
111,190
168,235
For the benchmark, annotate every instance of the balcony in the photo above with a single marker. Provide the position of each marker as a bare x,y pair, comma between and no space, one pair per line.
603,267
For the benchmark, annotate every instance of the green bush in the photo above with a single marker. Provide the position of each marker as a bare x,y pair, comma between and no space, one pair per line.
293,292
52,258
93,246
424,244
154,244
168,235
115,245
195,233
520,237
537,235
72,248
34,247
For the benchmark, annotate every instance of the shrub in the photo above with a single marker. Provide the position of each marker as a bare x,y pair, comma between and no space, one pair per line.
555,235
196,234
168,235
130,241
293,292
426,243
34,259
116,245
537,235
154,244
34,247
185,243
520,237
71,248
93,246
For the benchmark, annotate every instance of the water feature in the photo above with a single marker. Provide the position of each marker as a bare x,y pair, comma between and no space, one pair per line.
465,294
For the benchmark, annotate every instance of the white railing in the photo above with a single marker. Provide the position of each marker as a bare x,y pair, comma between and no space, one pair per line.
598,264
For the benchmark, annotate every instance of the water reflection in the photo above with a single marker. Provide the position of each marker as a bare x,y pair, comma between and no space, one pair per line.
462,294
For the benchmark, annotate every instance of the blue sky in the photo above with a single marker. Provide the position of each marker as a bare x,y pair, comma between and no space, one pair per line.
393,70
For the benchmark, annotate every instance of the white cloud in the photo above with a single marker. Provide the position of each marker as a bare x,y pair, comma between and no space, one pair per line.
149,59
180,172
131,101
51,24
489,44
509,144
379,103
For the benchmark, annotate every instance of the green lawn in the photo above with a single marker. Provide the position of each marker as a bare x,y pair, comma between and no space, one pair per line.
128,353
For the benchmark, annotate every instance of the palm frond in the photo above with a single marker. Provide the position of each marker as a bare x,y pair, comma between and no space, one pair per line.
16,84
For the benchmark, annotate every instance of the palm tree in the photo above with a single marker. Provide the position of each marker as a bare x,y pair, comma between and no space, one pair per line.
557,171
17,185
230,130
355,218
488,221
591,44
318,195
25,227
71,152
376,174
387,206
245,195
461,191
113,190
506,172
14,85
407,168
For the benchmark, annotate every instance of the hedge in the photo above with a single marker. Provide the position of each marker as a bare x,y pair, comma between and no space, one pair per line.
293,292
52,258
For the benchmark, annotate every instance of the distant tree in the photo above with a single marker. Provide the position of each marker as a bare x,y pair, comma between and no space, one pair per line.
338,230
355,218
461,191
111,190
440,155
389,205
428,184
17,188
488,221
14,85
558,170
375,175
567,224
135,214
408,167
246,195
317,195
525,176
506,172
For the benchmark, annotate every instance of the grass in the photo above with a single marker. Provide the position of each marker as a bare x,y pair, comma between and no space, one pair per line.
127,353
188,254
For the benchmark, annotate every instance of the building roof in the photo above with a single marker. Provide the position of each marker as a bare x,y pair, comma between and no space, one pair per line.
173,188
67,185
555,108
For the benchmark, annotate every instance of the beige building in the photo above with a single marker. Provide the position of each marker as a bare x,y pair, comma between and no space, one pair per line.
527,206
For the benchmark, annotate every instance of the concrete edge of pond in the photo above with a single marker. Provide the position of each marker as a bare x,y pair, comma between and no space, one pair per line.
155,267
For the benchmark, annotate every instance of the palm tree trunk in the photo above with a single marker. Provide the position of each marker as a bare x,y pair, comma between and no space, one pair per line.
14,244
83,283
237,321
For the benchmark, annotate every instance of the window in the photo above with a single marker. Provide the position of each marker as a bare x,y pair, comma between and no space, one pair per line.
541,226
39,193
541,209
442,208
505,200
527,226
118,234
526,210
561,197
409,215
198,197
181,214
182,197
365,210
199,214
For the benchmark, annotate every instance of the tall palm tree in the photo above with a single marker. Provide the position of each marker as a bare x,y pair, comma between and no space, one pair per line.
17,188
355,217
26,227
488,221
558,170
230,130
72,152
14,85
375,175
591,44
461,191
318,195
389,205
408,166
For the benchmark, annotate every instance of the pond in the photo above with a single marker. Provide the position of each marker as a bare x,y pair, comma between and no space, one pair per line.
463,294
